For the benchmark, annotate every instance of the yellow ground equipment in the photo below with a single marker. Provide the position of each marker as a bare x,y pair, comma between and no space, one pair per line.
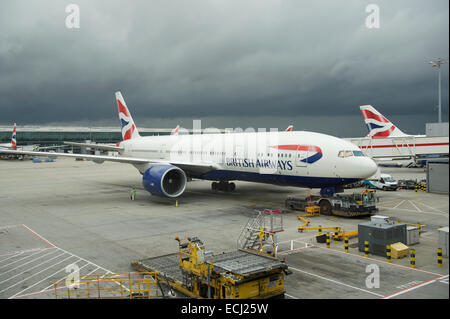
197,273
143,285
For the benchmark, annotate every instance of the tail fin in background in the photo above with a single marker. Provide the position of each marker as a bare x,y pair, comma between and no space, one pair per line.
378,125
289,128
13,138
129,130
176,130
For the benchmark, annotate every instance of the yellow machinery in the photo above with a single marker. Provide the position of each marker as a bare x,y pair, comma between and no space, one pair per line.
110,286
196,272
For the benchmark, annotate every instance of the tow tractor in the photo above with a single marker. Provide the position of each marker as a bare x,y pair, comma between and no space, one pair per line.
346,205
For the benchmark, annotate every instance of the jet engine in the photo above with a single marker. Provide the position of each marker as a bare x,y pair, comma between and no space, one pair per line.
164,180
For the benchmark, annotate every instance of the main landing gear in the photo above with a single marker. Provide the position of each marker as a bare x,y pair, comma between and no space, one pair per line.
223,186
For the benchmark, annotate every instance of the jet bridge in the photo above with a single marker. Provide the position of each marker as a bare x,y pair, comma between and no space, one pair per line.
405,146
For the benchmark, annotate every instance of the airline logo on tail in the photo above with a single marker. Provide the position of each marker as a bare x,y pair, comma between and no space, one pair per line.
13,138
289,128
176,130
378,125
129,130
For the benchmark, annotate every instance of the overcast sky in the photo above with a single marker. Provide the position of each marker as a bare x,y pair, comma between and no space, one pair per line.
260,63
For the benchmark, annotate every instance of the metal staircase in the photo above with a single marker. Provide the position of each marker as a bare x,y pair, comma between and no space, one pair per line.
259,229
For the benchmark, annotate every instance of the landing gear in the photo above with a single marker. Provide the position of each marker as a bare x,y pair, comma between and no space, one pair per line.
325,207
223,186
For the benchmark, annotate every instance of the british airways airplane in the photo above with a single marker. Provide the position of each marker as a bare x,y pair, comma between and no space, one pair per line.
289,158
13,144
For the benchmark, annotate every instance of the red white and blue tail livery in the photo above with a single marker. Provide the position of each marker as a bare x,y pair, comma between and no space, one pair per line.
129,130
378,125
13,144
13,138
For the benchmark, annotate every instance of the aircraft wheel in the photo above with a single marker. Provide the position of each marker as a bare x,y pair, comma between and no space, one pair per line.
214,186
231,187
325,207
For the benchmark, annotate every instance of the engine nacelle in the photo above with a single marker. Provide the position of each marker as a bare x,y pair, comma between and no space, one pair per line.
164,180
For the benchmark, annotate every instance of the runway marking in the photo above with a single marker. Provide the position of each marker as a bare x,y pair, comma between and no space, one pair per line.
25,264
19,252
21,259
440,211
379,261
412,203
336,282
415,211
28,269
35,274
88,263
399,204
403,291
42,238
38,282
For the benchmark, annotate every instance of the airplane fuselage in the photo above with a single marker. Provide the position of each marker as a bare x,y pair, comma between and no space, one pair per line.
300,158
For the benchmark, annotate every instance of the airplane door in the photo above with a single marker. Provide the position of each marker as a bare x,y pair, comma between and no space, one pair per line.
300,157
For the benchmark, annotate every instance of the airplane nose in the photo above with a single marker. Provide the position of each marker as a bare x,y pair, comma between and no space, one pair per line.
369,168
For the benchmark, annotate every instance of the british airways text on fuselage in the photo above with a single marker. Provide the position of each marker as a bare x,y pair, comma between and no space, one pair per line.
246,162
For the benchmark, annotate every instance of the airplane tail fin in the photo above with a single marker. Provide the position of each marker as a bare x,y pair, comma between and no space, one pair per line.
378,125
13,138
129,129
289,128
176,130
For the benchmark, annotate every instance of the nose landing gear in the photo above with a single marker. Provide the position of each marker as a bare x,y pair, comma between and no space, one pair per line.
223,186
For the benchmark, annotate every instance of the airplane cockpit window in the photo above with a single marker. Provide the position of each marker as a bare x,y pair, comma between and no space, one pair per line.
345,153
358,153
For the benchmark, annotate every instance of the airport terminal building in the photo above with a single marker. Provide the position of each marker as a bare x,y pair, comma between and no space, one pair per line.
51,135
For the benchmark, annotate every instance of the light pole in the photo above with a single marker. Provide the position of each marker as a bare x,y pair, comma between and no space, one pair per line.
437,64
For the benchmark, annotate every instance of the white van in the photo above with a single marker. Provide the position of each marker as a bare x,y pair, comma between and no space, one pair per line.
384,182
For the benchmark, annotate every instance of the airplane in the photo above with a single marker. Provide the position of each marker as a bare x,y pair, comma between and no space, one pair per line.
378,125
300,158
386,142
289,128
176,130
13,144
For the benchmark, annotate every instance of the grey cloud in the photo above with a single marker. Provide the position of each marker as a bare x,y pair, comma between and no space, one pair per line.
225,61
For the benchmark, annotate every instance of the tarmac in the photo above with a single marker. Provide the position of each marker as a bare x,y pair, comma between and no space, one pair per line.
54,215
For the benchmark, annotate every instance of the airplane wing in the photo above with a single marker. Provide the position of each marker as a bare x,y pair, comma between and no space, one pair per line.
39,148
193,168
104,147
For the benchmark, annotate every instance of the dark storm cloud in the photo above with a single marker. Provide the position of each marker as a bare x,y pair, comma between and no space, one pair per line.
314,61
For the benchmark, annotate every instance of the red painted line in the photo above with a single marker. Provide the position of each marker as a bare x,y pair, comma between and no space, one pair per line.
412,287
40,237
403,145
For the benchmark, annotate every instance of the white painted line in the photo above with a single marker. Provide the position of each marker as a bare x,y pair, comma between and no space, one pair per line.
411,202
25,264
14,255
422,212
22,252
22,258
46,288
336,282
30,269
435,209
399,204
290,296
35,274
39,281
401,292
